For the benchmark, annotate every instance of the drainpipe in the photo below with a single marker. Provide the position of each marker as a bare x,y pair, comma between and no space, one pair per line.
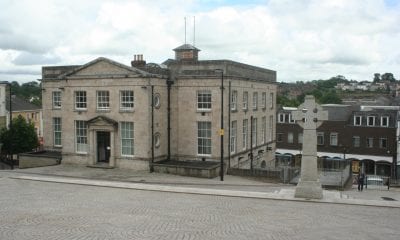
152,129
169,84
229,120
251,143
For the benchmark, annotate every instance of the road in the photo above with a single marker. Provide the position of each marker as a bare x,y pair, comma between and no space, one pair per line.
41,210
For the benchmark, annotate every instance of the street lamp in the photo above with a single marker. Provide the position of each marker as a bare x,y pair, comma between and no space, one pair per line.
221,131
10,125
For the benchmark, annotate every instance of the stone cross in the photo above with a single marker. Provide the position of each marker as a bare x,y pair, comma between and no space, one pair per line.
309,116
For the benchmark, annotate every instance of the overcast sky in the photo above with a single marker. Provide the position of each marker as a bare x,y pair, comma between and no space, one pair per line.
301,40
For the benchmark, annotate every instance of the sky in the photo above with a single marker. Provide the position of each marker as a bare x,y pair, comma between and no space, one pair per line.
302,40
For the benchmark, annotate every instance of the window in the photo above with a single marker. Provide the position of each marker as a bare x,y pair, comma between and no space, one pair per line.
157,140
254,132
233,136
300,138
357,120
370,142
234,101
204,100
371,121
290,137
127,139
291,120
57,99
81,136
281,117
271,100
255,100
271,128
80,100
385,121
157,100
204,138
263,129
383,142
126,100
334,139
356,141
103,100
57,131
279,137
245,100
264,100
320,138
245,135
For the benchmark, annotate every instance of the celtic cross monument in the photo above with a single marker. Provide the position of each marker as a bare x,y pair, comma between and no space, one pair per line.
309,117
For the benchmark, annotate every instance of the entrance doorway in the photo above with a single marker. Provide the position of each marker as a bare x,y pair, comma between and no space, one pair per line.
103,147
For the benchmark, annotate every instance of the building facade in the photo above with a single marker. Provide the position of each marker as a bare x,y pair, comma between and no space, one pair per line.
106,113
30,112
368,136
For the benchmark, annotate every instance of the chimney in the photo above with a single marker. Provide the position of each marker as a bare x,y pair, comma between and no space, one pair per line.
138,61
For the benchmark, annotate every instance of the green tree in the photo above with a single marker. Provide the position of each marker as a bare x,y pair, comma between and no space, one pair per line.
388,77
377,77
30,91
330,97
20,138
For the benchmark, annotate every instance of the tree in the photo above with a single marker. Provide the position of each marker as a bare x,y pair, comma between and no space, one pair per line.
20,138
377,77
388,77
330,97
30,91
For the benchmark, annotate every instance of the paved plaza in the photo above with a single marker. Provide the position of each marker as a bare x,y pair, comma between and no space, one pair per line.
36,204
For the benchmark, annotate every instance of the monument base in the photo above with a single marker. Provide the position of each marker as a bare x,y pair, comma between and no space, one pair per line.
308,189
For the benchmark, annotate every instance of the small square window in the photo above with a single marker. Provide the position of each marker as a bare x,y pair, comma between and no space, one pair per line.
371,121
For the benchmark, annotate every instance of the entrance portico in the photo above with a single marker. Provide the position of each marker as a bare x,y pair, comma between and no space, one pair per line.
102,132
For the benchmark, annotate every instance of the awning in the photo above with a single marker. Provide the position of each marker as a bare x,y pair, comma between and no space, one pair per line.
339,155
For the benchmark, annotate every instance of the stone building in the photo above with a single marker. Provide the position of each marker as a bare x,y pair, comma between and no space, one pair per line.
105,113
4,104
30,112
366,135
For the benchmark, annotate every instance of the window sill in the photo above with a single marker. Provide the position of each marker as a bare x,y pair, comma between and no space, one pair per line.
82,153
103,110
204,155
80,110
203,110
126,110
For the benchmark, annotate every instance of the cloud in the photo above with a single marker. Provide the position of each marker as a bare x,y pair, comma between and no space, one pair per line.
26,58
302,40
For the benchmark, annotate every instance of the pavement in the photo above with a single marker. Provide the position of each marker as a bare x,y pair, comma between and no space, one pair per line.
232,186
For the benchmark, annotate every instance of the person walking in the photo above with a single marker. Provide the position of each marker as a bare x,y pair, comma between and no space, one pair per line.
360,178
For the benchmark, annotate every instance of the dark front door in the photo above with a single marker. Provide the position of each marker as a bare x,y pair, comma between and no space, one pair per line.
103,147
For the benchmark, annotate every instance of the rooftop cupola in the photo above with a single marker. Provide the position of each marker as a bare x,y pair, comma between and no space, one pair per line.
187,52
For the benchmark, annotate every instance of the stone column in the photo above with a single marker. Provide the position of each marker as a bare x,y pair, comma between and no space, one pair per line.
309,116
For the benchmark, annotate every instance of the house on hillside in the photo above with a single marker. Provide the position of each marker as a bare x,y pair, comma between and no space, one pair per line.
30,112
105,113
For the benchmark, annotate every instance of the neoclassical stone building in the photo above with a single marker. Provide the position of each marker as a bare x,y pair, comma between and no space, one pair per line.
113,115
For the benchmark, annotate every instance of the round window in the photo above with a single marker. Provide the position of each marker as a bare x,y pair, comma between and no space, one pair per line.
157,101
157,140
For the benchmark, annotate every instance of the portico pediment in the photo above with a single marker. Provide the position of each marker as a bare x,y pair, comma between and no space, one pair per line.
104,67
102,121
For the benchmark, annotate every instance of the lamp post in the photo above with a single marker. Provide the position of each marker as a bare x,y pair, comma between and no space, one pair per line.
221,131
11,142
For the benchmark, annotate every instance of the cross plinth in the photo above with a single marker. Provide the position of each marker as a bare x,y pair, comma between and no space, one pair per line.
309,116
